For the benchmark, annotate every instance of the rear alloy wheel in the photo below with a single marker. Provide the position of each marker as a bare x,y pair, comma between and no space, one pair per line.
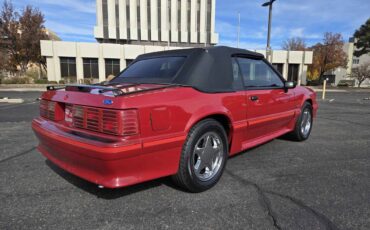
207,156
203,157
303,125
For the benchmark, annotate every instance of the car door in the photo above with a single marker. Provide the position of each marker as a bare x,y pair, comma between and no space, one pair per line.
270,107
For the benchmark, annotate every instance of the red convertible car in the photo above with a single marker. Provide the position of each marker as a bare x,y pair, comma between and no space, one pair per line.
178,113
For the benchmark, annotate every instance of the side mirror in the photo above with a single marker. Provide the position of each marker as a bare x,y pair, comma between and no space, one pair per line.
289,85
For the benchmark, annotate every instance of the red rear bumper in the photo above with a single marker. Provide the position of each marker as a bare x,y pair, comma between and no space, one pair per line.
109,164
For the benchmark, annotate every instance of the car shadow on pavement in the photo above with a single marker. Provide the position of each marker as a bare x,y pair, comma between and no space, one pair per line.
107,193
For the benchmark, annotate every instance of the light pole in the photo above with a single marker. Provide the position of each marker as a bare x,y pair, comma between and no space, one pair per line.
268,47
238,39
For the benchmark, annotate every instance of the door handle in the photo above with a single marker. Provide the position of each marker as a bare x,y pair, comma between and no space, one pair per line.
254,98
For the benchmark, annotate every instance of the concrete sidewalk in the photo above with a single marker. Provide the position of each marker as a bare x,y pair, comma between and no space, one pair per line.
23,87
334,89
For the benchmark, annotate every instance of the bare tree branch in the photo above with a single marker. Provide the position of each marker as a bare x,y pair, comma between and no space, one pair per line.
361,73
294,44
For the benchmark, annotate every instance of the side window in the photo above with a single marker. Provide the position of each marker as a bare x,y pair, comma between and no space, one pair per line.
237,81
256,73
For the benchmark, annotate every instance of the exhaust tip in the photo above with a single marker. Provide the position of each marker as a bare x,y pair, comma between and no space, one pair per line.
100,186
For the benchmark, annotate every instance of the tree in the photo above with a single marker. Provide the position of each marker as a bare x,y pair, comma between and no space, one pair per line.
294,44
8,34
362,42
23,32
328,55
361,73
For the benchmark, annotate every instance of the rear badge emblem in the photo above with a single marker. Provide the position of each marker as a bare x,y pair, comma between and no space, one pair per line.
107,102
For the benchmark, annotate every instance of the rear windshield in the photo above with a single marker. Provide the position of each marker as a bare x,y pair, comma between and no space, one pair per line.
160,70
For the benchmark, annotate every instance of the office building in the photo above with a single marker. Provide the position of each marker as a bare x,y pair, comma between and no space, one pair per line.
128,28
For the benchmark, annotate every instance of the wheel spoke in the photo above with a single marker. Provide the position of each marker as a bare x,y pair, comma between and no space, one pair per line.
207,156
208,142
197,165
198,151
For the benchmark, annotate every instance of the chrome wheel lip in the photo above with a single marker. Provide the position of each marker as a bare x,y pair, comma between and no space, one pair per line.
306,122
207,156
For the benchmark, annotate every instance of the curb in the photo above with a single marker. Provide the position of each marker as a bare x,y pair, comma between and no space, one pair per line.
23,89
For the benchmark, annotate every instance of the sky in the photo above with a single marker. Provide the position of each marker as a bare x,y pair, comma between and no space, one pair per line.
74,20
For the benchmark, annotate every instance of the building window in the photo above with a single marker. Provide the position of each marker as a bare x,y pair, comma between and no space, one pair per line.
149,19
138,20
129,61
208,22
128,20
159,20
356,61
105,19
68,69
198,21
279,67
169,20
188,19
91,68
117,20
179,19
112,67
293,71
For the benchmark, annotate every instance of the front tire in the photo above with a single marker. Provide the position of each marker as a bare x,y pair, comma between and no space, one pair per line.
203,156
303,125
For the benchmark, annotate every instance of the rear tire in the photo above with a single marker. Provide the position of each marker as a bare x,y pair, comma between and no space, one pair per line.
203,158
303,124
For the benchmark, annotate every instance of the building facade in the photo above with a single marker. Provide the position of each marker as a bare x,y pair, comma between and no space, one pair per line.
128,28
353,62
156,22
79,61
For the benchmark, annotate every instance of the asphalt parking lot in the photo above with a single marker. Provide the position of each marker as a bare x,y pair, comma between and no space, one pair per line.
322,183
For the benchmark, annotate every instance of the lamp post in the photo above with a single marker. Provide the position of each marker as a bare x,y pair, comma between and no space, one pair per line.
268,47
238,39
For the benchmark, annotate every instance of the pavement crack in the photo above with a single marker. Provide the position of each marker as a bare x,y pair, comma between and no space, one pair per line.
262,198
265,202
17,155
322,218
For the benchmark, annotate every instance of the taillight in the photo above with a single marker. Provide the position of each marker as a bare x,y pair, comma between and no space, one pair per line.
130,123
108,121
51,110
44,108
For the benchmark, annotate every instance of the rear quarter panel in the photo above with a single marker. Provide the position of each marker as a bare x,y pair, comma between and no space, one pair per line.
176,110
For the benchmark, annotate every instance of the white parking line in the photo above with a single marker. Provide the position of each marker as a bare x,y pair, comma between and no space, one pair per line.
11,100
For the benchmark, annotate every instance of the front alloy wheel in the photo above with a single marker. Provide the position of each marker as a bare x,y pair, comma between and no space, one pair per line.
303,125
306,122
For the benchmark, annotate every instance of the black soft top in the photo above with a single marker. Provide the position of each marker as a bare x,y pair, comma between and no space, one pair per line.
206,69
